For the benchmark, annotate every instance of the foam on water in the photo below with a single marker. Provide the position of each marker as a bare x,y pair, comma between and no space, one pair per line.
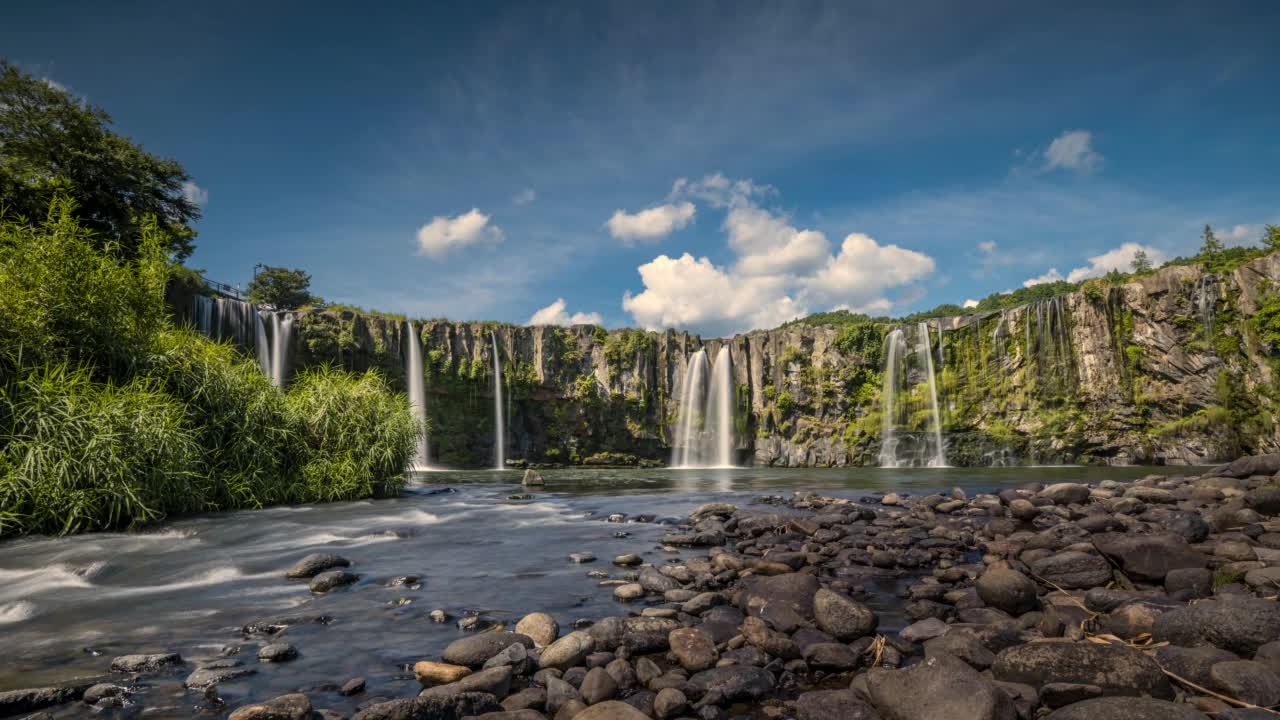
16,611
17,584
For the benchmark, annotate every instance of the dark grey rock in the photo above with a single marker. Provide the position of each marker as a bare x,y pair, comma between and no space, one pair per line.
494,681
693,648
1188,525
316,563
1196,582
212,674
294,706
1126,708
598,686
145,663
841,617
1148,557
16,702
939,688
1247,680
1072,570
669,703
1056,695
1249,466
732,683
277,652
1116,669
1007,590
961,644
833,705
1236,623
330,580
1192,663
475,650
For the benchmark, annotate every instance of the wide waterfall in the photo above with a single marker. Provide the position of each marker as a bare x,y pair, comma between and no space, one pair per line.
417,395
689,422
705,425
499,424
901,383
267,333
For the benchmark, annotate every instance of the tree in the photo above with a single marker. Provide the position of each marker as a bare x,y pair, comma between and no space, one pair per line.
1141,263
281,288
1271,238
51,144
1212,245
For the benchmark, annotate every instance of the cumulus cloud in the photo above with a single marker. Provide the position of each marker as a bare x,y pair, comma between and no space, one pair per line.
970,304
1052,276
443,234
651,224
779,271
1072,150
555,314
194,193
987,246
524,197
1240,234
1120,258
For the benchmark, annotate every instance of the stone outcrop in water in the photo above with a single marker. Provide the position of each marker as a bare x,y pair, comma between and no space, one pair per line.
1166,368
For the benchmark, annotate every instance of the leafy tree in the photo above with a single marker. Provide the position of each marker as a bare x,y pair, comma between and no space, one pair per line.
1141,263
1271,238
1212,247
281,288
52,143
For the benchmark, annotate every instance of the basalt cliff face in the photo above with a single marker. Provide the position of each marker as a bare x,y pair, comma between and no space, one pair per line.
1167,368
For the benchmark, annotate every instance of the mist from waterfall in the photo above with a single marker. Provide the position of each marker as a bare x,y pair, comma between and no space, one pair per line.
499,422
923,449
720,403
689,422
417,396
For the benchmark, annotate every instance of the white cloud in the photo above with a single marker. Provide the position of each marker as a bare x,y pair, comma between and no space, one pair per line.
524,197
651,224
779,271
554,314
1120,258
1052,276
1240,234
443,234
719,191
1073,150
970,304
987,246
194,193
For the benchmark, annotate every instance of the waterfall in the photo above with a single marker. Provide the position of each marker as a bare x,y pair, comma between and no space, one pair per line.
499,424
894,345
929,449
1206,297
720,405
260,342
689,422
281,341
939,451
417,396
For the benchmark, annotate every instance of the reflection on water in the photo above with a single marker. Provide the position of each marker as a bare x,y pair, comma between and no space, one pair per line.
188,586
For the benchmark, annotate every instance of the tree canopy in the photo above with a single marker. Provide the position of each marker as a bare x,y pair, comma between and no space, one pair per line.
281,288
53,144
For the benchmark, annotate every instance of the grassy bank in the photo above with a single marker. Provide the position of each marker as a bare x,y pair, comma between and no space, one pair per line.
111,417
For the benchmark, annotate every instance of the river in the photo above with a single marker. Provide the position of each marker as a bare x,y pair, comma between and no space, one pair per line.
68,605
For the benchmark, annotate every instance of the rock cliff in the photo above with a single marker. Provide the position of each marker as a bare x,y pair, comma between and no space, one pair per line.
1166,368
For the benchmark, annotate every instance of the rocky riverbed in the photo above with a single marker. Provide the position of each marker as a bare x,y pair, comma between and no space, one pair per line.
1149,599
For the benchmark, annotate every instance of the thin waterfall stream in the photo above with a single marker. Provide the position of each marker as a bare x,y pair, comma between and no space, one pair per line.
499,421
417,396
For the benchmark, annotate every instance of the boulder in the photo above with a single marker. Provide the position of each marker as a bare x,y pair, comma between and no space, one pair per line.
568,651
1007,590
539,627
1240,624
1188,525
17,702
1192,663
494,681
693,648
1148,558
1126,708
1249,466
431,673
330,580
473,651
294,706
1072,569
145,663
532,479
314,564
1247,680
1265,500
1117,669
597,686
833,705
1066,493
611,710
831,657
785,600
842,618
939,688
732,683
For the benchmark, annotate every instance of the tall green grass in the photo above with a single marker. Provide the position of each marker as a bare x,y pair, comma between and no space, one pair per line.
358,436
111,417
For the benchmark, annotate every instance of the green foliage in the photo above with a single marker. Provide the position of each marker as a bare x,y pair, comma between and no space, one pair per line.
785,403
357,436
864,340
62,299
281,288
87,456
1141,263
622,348
600,334
1266,321
1271,238
53,144
793,355
1226,576
835,318
1211,246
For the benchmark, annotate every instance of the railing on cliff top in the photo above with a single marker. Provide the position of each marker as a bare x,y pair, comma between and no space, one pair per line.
223,288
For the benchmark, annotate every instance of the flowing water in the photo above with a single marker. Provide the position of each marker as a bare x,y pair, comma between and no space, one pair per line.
68,605
690,420
417,395
720,406
897,407
705,424
499,422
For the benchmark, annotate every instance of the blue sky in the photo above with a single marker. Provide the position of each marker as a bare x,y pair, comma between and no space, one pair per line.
483,162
